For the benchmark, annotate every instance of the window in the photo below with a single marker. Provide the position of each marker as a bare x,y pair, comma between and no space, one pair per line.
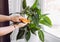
52,7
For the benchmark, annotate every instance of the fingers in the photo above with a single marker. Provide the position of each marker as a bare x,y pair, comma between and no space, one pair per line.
18,18
22,24
15,18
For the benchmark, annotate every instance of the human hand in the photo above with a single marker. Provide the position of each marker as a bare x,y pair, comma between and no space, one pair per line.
15,18
20,25
18,18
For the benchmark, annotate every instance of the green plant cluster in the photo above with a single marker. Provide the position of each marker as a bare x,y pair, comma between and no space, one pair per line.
36,17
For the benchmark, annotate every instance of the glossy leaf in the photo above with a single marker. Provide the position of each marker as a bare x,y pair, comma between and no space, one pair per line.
35,4
37,10
34,27
35,19
33,30
24,4
41,35
20,34
46,21
27,35
31,25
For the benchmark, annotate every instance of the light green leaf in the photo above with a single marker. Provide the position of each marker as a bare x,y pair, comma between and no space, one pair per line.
35,4
27,35
32,25
41,35
45,20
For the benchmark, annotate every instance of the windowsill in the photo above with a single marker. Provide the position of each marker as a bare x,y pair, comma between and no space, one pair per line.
54,30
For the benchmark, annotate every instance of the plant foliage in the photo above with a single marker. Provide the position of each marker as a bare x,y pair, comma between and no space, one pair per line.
33,14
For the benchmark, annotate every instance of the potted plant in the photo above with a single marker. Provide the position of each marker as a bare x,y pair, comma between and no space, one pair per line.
36,18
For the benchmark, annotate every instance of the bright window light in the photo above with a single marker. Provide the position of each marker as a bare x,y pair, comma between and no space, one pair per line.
52,7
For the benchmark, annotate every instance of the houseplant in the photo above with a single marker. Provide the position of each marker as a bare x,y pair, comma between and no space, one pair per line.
36,18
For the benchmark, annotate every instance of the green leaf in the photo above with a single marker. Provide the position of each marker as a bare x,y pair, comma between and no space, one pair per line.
32,25
37,10
35,19
34,5
33,30
24,4
45,20
20,34
27,35
41,35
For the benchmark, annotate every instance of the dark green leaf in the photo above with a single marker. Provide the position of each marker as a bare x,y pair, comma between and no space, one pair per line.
35,19
37,10
20,34
27,35
46,21
41,35
33,30
28,29
24,4
35,4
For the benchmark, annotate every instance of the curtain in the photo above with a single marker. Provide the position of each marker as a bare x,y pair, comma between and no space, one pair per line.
4,11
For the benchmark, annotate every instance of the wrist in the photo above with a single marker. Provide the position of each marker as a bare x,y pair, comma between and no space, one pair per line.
9,18
12,27
15,26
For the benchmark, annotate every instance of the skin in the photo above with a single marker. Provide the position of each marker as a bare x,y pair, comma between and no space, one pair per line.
8,29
